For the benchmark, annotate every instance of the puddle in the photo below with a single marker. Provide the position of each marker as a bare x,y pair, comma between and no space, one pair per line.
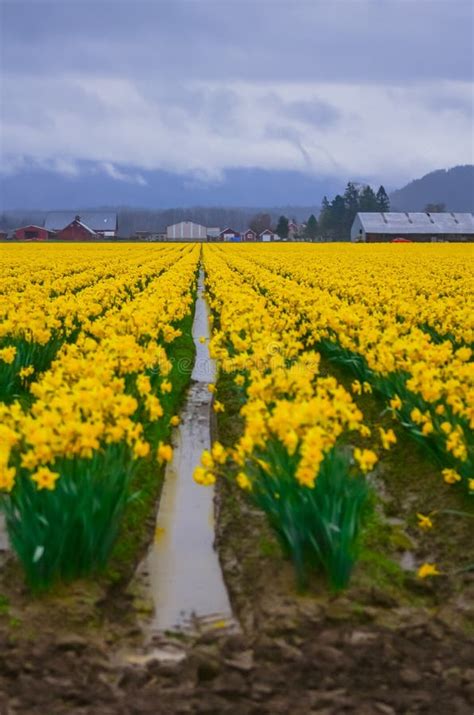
182,569
4,541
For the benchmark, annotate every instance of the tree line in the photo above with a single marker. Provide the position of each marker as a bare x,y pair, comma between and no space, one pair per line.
336,216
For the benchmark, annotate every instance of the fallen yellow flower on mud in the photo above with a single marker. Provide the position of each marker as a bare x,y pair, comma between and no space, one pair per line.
427,569
424,522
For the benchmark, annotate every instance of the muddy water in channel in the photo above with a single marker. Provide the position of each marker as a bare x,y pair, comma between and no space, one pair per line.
182,567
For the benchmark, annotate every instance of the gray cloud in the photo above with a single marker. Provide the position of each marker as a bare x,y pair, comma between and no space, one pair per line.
364,40
344,87
312,111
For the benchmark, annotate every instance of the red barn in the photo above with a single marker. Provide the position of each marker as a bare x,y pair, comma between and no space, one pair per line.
77,231
249,235
228,234
33,233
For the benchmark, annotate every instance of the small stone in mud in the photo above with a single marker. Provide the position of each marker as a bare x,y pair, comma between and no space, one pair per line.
261,690
288,652
362,637
328,654
243,661
409,676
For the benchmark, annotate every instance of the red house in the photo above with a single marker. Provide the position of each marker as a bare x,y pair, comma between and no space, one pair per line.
249,235
33,233
228,234
77,231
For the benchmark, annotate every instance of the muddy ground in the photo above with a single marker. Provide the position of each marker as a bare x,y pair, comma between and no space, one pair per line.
390,645
363,652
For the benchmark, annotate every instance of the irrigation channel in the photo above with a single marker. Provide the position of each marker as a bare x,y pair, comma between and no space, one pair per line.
182,568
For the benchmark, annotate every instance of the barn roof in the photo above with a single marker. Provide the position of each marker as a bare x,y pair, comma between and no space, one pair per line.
416,223
187,223
30,225
81,223
95,220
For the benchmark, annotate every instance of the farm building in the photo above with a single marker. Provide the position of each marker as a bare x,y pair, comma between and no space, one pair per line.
186,231
151,236
77,230
293,229
33,233
104,223
228,234
267,236
249,235
213,233
423,227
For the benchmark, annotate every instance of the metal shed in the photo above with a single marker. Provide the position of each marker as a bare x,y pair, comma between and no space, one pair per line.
186,231
376,227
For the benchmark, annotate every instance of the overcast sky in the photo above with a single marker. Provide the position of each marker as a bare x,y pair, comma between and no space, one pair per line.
381,89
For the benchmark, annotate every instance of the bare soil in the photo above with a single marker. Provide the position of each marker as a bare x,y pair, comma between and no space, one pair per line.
389,645
360,653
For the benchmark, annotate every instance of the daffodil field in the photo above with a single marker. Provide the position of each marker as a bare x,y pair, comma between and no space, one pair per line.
90,384
86,348
399,319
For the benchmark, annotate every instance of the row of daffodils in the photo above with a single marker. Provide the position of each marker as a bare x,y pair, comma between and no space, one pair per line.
86,349
403,322
290,458
400,318
90,380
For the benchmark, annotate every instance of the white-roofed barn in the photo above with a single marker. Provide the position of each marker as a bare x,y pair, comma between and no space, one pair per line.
421,227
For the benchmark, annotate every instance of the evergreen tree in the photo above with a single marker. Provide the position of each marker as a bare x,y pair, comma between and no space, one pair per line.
282,228
311,230
351,198
383,202
368,200
351,201
324,217
338,217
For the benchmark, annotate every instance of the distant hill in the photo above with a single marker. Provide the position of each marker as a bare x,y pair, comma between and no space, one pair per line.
35,188
452,187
